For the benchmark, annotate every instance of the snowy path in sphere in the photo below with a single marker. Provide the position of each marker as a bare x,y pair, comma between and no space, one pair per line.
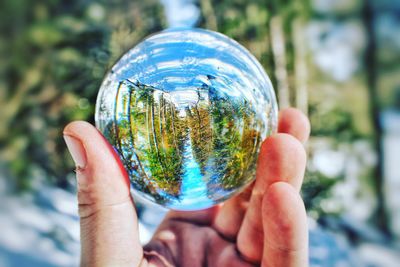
194,189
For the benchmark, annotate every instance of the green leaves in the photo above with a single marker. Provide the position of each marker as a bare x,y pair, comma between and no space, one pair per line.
54,55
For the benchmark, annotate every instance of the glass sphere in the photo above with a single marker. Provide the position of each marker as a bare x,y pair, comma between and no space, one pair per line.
187,111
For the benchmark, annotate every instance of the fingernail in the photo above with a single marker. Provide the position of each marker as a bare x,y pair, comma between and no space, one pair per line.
76,150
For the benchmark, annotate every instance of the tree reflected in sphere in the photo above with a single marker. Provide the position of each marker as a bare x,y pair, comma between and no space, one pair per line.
187,111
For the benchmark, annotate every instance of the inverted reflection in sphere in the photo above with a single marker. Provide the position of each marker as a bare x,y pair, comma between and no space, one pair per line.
187,111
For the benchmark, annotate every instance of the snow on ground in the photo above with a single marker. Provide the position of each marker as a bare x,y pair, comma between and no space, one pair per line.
42,229
39,230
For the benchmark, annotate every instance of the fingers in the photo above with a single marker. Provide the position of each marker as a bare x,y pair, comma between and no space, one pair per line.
282,158
285,227
230,217
109,227
292,121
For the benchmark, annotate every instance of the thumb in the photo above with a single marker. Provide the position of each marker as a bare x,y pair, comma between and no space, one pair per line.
109,227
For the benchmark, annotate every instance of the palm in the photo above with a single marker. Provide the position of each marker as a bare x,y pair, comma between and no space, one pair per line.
193,243
265,224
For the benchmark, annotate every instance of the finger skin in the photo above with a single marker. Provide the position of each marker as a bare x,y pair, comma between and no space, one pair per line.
292,121
230,217
285,227
283,158
109,227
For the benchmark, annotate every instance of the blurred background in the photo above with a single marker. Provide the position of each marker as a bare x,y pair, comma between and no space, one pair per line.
337,60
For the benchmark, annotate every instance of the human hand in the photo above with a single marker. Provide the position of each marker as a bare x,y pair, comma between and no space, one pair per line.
264,225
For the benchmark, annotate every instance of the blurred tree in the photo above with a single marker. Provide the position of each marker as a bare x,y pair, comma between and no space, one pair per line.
381,217
54,56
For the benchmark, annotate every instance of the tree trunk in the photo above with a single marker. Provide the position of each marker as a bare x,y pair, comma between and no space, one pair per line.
153,129
371,71
278,51
300,65
173,128
144,174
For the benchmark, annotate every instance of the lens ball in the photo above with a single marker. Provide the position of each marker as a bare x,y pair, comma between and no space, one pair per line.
187,110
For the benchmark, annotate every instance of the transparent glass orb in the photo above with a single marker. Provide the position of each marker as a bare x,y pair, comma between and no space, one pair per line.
187,111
